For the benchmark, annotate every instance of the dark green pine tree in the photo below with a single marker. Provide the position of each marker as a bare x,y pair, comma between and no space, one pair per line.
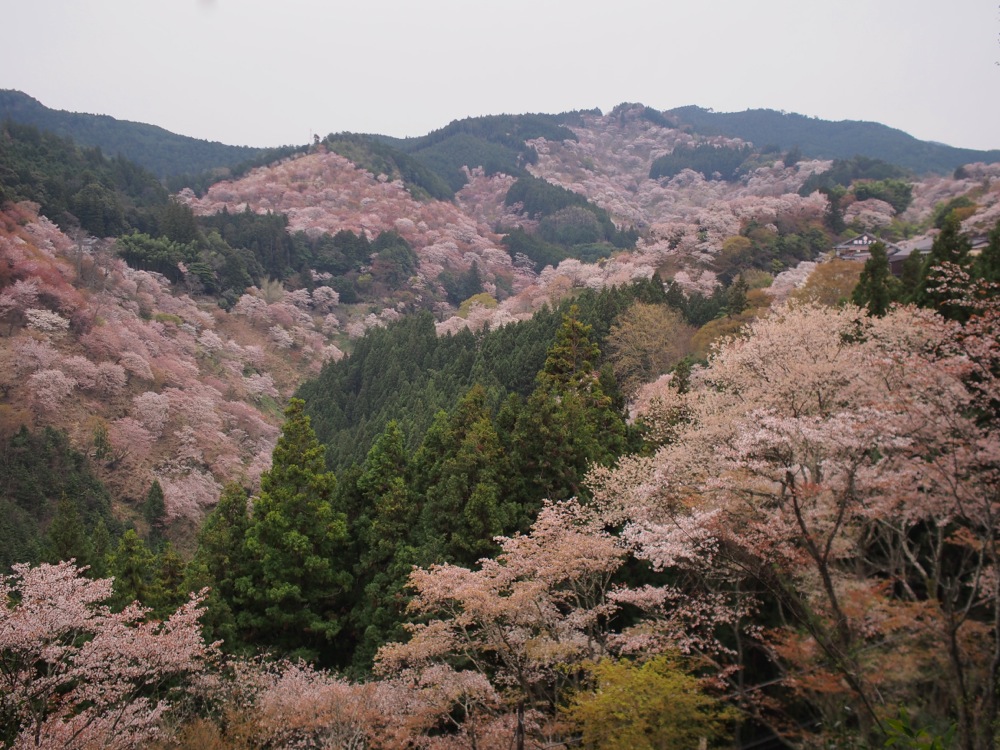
876,289
100,542
736,297
294,590
910,274
67,538
134,569
459,471
568,422
950,248
571,360
154,510
388,547
171,590
219,562
987,265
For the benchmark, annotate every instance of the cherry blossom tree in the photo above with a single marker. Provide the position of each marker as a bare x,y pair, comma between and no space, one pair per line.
837,468
540,604
77,675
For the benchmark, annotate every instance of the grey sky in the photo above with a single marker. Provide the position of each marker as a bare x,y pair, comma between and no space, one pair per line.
270,73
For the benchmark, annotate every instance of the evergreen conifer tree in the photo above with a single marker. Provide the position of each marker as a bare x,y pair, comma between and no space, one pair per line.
67,539
389,550
949,247
134,568
876,287
155,511
294,588
219,562
568,422
987,265
459,471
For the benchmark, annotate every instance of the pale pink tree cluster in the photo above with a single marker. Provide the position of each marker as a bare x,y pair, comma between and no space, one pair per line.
46,322
869,215
261,385
16,300
144,360
519,619
77,675
189,494
280,337
293,705
323,192
152,410
131,442
22,356
835,467
49,389
253,307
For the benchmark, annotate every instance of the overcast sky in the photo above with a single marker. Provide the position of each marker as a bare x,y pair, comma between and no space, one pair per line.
250,72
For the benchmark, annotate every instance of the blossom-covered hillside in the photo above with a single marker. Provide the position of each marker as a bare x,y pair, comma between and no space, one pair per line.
150,381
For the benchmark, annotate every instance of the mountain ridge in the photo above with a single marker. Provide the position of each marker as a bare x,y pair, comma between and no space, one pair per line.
169,154
827,139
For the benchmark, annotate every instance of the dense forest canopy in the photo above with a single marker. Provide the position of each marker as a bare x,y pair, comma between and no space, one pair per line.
161,152
831,140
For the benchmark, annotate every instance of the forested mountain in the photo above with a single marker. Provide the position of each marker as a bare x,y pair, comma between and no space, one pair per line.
822,139
535,431
161,152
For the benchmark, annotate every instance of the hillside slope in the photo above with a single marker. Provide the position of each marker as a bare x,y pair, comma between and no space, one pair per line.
823,139
158,150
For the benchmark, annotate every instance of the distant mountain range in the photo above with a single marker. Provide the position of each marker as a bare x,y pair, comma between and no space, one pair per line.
167,154
163,153
823,139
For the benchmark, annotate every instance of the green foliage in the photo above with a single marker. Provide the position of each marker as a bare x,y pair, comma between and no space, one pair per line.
726,161
944,210
459,287
934,290
568,423
696,308
519,243
987,265
74,185
458,474
384,531
295,567
219,562
910,274
393,261
157,150
48,486
900,733
844,172
341,253
156,254
833,217
653,706
134,569
379,157
273,252
67,538
820,139
897,193
495,143
573,225
876,289
406,372
154,510
565,223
